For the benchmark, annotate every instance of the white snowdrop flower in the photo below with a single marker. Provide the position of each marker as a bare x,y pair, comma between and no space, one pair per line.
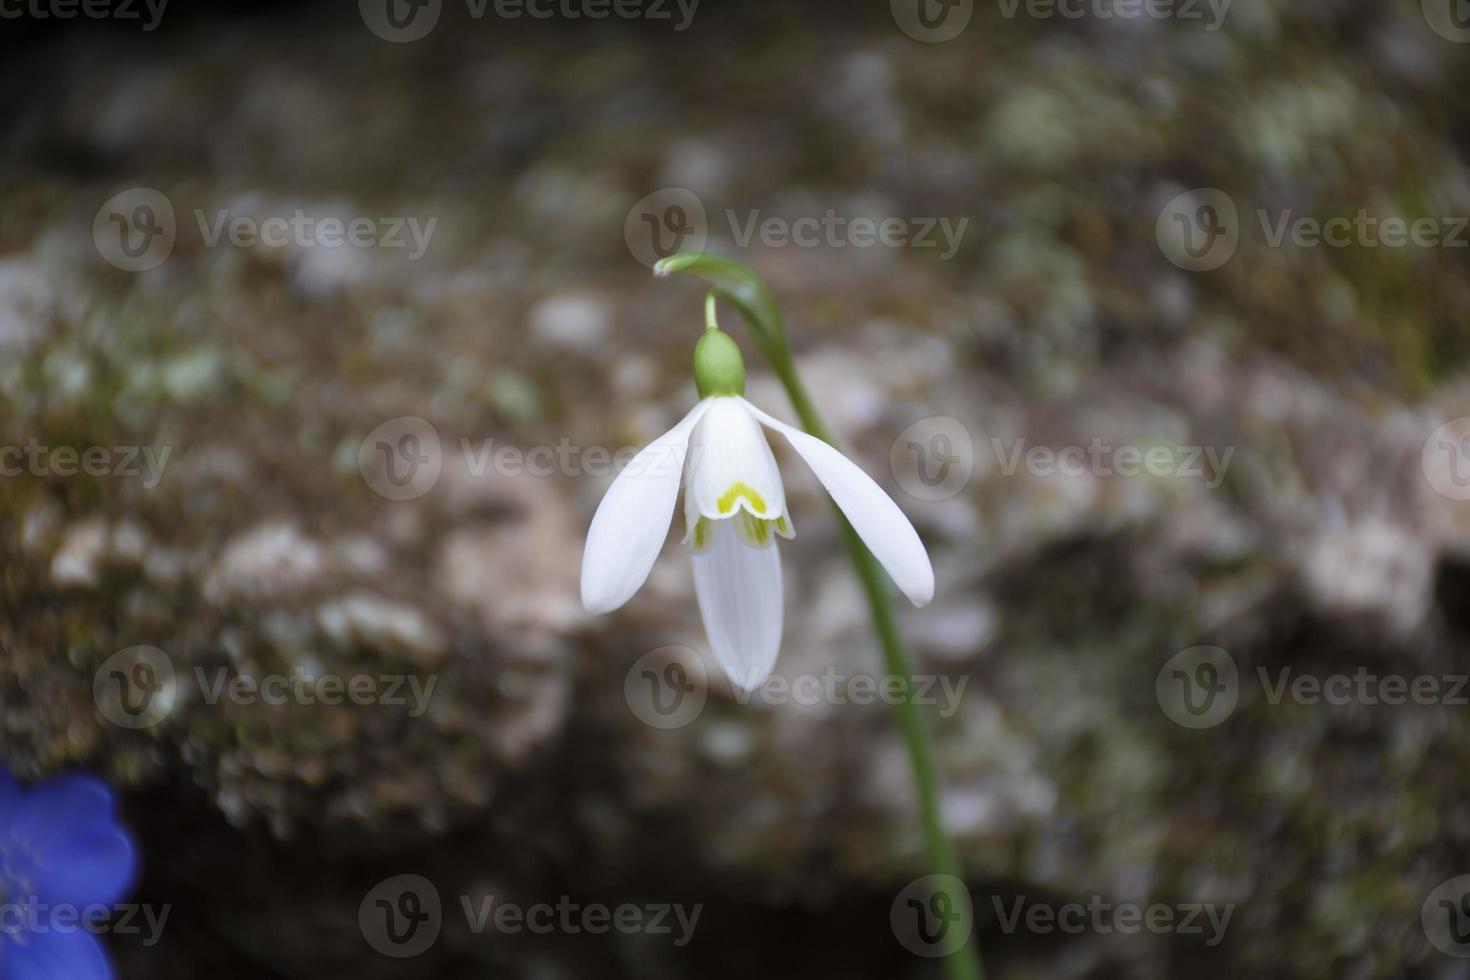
734,510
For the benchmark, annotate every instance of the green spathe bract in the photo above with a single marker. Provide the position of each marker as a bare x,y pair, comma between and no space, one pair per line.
718,367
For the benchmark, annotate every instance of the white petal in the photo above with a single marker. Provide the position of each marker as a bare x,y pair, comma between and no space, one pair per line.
739,590
632,521
731,467
873,514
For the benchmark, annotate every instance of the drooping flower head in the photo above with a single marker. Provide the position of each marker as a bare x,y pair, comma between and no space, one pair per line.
62,855
734,511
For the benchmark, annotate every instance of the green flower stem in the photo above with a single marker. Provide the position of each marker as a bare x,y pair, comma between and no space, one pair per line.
736,283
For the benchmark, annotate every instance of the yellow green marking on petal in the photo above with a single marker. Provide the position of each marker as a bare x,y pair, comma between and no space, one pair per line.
754,530
701,534
731,497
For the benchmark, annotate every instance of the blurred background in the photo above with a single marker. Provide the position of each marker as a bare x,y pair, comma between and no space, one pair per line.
323,327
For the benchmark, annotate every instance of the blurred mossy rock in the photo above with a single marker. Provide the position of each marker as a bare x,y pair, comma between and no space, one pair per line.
341,491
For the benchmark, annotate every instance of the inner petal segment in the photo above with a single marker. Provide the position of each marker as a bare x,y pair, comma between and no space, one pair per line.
754,531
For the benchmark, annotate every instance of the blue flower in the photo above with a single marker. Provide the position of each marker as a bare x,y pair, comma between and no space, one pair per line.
62,852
